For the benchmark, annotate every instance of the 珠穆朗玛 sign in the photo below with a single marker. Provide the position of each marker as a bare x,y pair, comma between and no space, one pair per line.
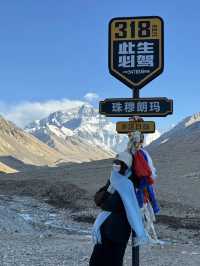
136,52
127,107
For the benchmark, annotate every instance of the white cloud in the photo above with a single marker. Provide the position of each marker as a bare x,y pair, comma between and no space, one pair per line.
91,96
25,112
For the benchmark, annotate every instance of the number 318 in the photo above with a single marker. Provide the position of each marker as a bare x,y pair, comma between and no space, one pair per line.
125,28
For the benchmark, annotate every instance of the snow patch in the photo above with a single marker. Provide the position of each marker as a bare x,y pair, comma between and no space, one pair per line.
164,141
26,216
67,131
56,131
193,119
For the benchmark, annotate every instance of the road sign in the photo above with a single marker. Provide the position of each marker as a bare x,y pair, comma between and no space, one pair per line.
136,49
126,107
142,126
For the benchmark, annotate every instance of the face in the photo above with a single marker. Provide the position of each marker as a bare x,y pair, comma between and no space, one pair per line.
116,161
137,145
129,134
119,166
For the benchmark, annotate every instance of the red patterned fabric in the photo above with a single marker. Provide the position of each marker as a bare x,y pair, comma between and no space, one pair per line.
141,167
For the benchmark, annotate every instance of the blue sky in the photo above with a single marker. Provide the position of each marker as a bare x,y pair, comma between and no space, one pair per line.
53,50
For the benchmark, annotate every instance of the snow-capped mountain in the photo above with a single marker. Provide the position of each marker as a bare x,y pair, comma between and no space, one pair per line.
188,127
179,146
81,125
176,155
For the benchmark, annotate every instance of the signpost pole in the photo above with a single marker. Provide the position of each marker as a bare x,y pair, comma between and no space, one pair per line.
135,250
136,93
128,36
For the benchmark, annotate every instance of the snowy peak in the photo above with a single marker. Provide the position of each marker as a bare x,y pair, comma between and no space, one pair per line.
71,119
193,119
87,110
83,123
188,127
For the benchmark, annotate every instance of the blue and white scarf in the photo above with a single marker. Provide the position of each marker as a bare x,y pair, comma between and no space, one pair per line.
125,188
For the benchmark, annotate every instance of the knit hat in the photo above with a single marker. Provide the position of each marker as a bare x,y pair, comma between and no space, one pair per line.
136,137
125,157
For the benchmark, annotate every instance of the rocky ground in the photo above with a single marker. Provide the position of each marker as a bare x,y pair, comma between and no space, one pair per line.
46,217
36,233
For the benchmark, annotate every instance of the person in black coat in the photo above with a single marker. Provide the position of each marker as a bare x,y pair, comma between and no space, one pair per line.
115,230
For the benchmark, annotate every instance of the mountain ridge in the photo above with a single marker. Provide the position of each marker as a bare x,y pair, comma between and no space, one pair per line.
16,143
83,123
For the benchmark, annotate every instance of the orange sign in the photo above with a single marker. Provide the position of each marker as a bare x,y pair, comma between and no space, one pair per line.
142,126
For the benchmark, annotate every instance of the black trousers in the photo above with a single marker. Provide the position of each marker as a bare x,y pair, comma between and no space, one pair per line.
108,253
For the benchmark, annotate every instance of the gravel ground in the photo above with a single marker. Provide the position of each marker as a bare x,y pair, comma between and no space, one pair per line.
46,217
35,233
74,250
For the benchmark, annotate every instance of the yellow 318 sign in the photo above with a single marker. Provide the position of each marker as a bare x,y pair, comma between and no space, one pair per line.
136,29
136,49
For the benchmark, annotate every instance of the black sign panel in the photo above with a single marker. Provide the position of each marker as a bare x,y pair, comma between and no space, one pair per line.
145,107
136,49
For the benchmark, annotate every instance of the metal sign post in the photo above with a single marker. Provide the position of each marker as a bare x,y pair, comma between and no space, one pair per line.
135,249
136,57
135,252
